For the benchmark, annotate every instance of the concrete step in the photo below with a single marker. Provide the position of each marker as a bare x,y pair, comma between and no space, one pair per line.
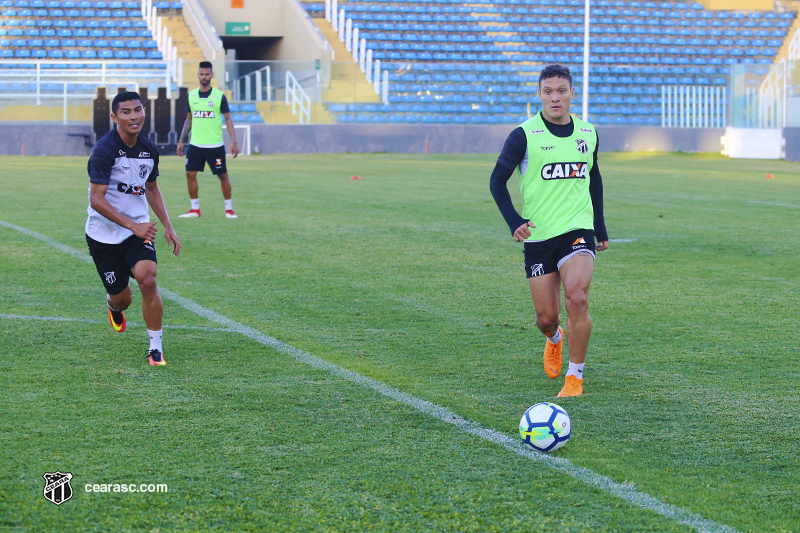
280,113
45,113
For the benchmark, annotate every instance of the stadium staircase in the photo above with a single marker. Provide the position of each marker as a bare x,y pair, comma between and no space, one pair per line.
348,83
188,50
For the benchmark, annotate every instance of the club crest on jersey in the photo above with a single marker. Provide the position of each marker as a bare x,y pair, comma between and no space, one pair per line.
143,171
204,114
561,171
537,270
110,277
583,146
210,103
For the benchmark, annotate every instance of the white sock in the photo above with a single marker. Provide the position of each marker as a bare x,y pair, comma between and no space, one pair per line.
229,205
555,338
195,203
155,340
576,370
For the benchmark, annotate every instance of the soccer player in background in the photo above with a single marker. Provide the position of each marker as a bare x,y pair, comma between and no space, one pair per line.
207,106
562,215
122,170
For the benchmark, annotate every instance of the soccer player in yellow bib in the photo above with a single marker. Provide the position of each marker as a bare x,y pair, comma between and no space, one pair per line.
562,215
207,106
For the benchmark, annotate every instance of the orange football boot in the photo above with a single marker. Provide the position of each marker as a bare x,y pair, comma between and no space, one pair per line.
552,356
572,387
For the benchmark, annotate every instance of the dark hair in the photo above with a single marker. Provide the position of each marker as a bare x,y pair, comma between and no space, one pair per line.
207,64
125,96
555,71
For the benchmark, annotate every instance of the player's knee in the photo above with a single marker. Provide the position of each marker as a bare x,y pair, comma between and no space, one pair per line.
576,301
147,283
547,321
223,176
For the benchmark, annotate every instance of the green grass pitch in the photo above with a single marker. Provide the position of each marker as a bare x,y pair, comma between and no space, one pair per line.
407,276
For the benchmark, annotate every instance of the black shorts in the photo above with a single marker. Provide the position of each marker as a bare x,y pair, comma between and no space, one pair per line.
196,159
545,257
114,262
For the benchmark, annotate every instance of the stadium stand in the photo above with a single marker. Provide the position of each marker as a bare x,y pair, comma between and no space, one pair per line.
451,62
67,32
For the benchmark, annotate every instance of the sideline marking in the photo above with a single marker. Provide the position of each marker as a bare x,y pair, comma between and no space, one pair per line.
622,240
590,477
4,316
773,204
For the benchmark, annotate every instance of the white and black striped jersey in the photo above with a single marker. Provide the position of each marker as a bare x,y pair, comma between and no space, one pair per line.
125,170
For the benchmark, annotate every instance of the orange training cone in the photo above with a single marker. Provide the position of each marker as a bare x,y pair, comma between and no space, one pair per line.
770,176
355,178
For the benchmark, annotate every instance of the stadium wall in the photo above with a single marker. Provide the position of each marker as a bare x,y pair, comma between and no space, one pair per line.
45,139
56,139
766,5
296,38
456,139
792,147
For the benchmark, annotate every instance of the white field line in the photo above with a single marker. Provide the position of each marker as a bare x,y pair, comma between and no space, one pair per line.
4,316
773,204
606,484
622,240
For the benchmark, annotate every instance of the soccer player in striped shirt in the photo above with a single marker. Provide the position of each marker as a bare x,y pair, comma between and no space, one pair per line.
122,170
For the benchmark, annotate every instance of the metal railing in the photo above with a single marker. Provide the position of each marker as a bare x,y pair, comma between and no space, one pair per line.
794,47
30,81
251,87
349,35
297,97
695,106
772,97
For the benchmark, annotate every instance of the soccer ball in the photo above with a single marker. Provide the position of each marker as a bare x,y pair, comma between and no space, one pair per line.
545,427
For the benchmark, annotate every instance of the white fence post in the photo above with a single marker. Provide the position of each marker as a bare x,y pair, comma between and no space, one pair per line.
348,33
368,66
354,43
385,96
376,77
362,63
335,14
341,24
696,107
328,10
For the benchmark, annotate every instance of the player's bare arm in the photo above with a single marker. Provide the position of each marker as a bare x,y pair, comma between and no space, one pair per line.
98,201
232,132
156,201
602,245
187,127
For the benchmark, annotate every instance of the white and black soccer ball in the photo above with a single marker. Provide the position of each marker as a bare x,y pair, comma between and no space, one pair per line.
545,427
